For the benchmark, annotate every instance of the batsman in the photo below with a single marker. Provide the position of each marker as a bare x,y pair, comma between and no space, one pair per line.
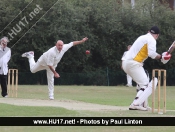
132,63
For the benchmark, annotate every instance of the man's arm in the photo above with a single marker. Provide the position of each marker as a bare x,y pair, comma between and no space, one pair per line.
80,42
7,55
158,57
54,72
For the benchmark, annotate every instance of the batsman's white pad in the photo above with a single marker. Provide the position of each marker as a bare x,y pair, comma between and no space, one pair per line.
147,92
139,93
137,88
145,103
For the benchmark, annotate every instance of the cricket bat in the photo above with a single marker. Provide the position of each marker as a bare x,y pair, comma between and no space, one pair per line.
172,47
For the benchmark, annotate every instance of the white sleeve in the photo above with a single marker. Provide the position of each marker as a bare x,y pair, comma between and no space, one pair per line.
67,46
152,49
7,55
124,54
50,59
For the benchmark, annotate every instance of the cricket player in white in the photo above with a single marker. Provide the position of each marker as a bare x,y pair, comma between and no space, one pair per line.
49,60
5,55
128,77
132,63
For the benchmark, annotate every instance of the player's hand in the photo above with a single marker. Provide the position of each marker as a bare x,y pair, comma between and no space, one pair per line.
165,57
56,75
84,39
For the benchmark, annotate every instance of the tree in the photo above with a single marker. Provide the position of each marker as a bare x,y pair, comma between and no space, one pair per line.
109,25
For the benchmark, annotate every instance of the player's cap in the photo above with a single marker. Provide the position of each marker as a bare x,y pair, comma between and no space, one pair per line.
154,30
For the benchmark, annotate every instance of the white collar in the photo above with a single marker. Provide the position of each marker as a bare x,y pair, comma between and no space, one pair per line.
57,50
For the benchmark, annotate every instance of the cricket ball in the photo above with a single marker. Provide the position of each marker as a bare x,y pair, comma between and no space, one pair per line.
87,52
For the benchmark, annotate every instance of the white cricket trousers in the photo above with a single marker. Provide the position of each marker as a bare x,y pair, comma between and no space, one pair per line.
136,71
36,66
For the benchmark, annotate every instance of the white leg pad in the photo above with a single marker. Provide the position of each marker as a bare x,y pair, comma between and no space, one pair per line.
145,103
139,93
147,92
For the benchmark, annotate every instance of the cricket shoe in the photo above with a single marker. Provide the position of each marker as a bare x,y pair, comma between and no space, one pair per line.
137,107
148,108
28,54
51,98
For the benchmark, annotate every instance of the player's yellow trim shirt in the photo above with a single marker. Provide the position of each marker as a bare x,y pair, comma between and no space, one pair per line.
142,48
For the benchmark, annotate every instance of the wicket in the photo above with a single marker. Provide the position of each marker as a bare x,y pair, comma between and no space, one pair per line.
12,82
159,72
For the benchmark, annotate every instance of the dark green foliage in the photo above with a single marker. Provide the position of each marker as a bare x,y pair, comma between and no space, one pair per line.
109,26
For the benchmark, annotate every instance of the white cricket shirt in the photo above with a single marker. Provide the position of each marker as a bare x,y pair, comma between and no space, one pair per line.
124,53
143,47
5,55
52,57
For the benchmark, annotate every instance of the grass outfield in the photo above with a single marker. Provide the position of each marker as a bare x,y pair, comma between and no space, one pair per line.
88,129
113,95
